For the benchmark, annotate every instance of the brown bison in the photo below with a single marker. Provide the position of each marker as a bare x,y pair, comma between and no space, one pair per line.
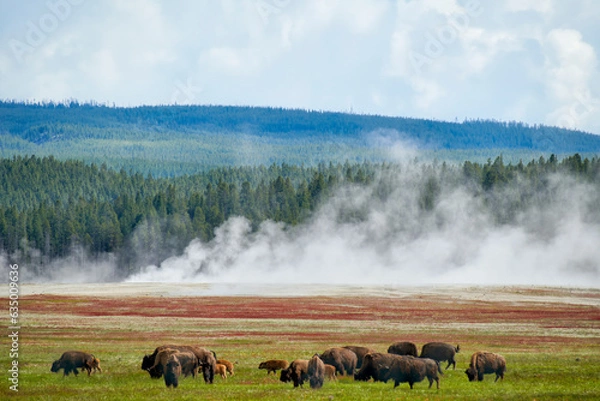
228,365
376,366
273,365
71,360
297,372
403,348
172,368
316,372
440,352
206,361
413,370
330,372
343,359
95,365
360,353
187,361
486,362
221,370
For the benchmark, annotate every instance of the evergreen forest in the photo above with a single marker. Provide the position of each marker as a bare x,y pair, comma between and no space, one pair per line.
49,208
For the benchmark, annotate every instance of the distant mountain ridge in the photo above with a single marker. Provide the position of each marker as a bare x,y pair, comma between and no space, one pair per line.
230,135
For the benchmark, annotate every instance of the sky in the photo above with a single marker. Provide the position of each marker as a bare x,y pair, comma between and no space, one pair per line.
534,61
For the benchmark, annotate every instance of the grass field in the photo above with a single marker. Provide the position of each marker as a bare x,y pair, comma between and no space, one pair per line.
550,338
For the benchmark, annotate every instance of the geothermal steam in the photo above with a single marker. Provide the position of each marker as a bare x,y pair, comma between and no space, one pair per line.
381,235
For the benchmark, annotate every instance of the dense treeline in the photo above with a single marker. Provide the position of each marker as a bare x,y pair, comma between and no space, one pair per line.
49,207
175,140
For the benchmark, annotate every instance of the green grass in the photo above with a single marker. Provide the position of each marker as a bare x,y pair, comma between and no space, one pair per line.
537,376
549,367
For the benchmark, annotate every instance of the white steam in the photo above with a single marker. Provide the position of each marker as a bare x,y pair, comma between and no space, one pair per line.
358,238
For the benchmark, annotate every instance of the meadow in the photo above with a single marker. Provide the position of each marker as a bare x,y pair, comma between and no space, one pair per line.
550,338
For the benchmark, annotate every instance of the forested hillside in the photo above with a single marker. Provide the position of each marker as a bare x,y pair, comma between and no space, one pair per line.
176,140
49,207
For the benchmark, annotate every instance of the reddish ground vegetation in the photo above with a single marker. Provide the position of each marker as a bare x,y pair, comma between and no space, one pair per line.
321,308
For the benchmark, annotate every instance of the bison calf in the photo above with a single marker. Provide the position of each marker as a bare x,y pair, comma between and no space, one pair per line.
330,372
228,365
221,370
71,360
273,365
484,363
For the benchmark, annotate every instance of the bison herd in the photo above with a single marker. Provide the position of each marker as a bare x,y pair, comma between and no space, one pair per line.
400,364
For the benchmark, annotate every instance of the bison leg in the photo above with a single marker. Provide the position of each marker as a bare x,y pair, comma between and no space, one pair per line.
410,383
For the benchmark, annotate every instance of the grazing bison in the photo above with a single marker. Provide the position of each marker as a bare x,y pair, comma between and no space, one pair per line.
403,348
330,372
376,366
360,353
206,361
273,365
440,352
413,370
486,362
172,369
228,365
297,372
71,360
316,372
185,363
343,359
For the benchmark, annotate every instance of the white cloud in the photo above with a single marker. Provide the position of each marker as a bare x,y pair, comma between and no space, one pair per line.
540,6
571,63
313,54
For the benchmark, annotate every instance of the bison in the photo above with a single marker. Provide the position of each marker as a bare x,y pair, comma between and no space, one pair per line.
403,348
297,372
486,362
376,366
221,370
172,369
440,352
316,372
413,370
343,359
228,365
330,372
187,360
71,360
273,365
206,361
95,365
173,363
360,353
